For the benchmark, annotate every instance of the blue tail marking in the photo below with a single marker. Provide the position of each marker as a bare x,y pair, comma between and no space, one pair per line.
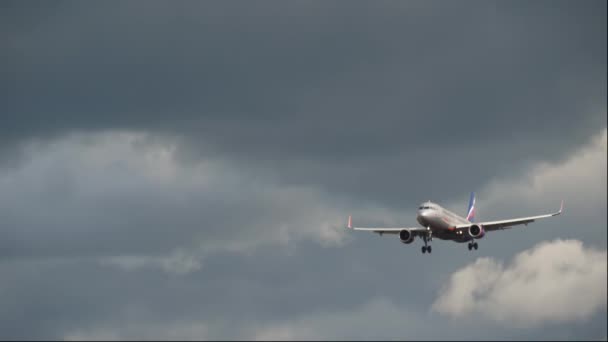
471,208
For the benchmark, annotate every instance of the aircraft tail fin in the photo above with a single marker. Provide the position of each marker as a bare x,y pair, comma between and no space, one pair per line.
471,208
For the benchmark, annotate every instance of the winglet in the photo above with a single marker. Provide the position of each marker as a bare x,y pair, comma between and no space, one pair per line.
350,222
561,207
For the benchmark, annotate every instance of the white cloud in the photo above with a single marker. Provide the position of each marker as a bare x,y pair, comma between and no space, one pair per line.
180,262
275,333
555,281
189,331
580,180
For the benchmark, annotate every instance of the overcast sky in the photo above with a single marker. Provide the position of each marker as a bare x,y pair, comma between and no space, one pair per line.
184,170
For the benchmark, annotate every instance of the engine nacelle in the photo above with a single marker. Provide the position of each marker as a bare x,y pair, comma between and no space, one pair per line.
406,236
476,231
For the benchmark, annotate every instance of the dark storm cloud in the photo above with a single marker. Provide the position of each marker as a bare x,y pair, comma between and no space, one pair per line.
378,89
307,79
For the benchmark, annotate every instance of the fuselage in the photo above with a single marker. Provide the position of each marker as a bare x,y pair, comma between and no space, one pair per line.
441,222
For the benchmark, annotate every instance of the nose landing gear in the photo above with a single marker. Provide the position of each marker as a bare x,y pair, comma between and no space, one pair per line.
473,245
426,247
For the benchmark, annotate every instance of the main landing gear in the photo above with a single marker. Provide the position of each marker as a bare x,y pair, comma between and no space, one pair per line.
473,245
426,247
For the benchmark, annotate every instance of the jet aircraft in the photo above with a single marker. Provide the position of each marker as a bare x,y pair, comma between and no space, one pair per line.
443,224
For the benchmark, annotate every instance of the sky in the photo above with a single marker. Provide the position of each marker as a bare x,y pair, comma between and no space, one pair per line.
184,170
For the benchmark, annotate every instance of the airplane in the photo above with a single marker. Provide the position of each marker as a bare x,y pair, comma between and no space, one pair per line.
446,225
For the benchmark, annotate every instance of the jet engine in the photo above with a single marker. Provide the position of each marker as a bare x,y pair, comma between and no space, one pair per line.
476,231
406,236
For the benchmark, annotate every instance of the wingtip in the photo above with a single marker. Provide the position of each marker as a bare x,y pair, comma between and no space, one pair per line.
561,207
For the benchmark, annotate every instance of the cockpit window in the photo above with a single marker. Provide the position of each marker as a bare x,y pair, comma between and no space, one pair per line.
424,208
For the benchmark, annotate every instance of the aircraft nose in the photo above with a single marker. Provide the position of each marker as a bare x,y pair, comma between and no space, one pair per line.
422,217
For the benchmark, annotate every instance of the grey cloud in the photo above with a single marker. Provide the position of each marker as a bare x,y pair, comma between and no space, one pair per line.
288,280
352,88
264,126
238,297
122,194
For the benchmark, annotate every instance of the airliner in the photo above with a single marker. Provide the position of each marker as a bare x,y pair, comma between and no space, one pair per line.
443,224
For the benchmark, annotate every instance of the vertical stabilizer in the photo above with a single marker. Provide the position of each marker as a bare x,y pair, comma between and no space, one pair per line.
471,208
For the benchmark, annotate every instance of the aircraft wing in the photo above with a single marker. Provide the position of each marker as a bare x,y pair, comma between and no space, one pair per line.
503,224
387,230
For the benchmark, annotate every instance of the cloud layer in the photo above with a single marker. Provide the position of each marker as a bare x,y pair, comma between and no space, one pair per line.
348,99
123,195
184,169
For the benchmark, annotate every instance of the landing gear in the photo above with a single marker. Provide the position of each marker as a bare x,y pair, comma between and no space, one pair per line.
473,245
426,247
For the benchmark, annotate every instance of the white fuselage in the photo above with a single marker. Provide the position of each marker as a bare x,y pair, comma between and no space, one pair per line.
442,222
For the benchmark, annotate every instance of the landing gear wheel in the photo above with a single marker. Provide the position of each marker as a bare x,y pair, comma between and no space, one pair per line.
475,245
423,249
429,249
470,246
